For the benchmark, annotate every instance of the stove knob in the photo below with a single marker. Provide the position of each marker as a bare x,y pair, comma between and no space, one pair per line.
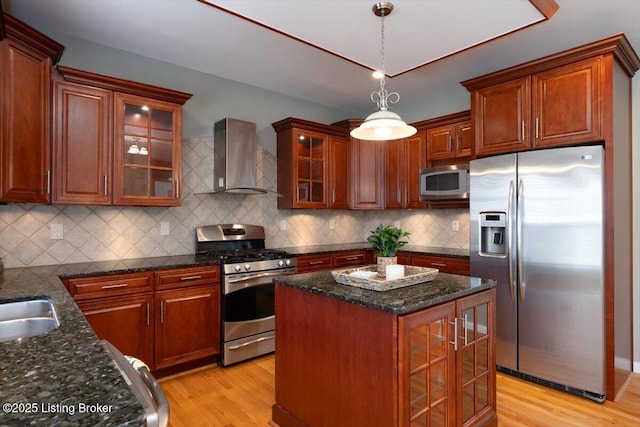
238,268
281,263
247,267
288,262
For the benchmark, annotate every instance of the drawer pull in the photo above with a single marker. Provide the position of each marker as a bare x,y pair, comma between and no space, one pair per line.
353,258
439,264
316,262
190,278
119,285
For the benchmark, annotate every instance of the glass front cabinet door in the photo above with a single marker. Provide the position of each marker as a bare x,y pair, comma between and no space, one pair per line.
147,151
311,153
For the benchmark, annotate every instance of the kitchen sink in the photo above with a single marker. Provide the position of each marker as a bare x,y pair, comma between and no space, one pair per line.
22,319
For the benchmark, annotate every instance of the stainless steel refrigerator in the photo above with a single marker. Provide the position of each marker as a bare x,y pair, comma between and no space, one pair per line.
537,224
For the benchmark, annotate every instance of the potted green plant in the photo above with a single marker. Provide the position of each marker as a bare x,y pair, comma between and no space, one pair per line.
387,240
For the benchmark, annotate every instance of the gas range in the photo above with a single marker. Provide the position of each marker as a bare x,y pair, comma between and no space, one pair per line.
248,293
240,248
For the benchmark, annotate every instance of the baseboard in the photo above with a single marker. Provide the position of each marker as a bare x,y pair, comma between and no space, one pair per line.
636,367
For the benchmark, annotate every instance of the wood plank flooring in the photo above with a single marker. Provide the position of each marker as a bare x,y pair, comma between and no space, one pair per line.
242,395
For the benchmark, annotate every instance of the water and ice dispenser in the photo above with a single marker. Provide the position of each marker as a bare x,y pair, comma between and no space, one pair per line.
493,240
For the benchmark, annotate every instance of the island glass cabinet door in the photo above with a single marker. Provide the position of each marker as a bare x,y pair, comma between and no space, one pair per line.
475,359
147,151
427,367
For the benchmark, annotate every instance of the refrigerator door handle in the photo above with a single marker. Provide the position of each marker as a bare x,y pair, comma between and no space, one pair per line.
519,220
510,238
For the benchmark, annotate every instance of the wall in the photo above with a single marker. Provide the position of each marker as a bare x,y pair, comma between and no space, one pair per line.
94,233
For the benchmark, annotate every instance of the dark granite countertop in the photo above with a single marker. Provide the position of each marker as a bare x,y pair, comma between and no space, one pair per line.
443,288
52,379
413,249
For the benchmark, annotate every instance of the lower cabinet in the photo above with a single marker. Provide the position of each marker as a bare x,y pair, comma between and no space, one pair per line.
126,322
328,261
445,264
344,259
164,318
188,325
447,365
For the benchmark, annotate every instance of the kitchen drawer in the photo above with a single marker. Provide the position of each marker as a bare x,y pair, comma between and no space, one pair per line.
115,284
183,277
404,258
314,262
443,263
343,259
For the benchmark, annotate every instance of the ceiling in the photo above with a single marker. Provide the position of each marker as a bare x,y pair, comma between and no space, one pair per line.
323,50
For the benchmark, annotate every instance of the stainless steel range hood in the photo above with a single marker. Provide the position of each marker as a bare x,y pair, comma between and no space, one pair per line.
235,148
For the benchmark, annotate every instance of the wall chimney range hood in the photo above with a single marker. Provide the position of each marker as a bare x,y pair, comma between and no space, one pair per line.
235,146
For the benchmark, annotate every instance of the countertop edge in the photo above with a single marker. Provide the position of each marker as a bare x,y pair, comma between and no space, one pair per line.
444,288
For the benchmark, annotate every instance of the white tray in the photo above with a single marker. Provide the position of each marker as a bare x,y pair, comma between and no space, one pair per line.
366,277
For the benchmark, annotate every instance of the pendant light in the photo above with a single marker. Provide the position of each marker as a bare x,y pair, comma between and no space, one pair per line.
383,125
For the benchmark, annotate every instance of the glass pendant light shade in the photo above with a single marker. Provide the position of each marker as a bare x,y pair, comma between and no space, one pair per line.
382,126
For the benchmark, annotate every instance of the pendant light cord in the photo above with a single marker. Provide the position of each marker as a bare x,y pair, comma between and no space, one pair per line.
383,98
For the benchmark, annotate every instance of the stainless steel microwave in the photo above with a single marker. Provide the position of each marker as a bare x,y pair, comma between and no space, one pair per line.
444,183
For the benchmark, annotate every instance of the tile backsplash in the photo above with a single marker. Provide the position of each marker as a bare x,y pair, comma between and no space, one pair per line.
97,233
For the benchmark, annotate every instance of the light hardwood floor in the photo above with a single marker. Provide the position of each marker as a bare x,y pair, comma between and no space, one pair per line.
242,395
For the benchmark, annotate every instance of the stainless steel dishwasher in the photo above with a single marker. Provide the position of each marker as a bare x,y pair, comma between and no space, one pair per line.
144,386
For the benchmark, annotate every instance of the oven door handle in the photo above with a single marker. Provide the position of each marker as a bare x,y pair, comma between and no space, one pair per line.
236,284
235,347
258,276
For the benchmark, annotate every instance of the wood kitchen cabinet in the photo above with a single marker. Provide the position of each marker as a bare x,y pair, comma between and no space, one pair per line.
339,172
444,264
317,262
26,58
147,160
188,318
188,325
403,160
553,107
447,363
120,310
165,318
449,141
313,165
125,321
116,141
82,138
367,179
434,366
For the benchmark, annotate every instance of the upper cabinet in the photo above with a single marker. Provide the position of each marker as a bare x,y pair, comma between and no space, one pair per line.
566,104
555,101
449,139
116,141
26,58
312,165
367,160
81,144
146,151
403,161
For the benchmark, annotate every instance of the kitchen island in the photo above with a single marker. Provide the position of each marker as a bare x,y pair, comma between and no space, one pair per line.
418,355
